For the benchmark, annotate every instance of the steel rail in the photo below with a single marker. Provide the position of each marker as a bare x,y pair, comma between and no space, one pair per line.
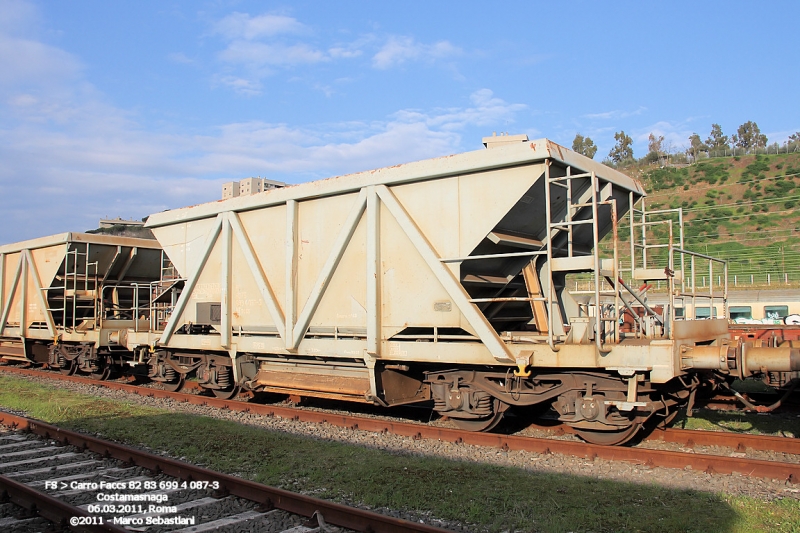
738,441
268,497
50,508
698,437
653,458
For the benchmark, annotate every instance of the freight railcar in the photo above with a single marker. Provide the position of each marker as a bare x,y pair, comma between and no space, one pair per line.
442,281
69,300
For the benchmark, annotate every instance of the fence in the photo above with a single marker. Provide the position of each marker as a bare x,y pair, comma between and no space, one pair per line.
775,280
685,157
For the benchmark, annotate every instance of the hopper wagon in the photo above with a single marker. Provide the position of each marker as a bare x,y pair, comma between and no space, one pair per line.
69,300
444,281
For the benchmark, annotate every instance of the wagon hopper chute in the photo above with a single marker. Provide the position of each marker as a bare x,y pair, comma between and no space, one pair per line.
69,300
439,281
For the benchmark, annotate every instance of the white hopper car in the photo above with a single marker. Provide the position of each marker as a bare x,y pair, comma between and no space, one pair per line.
440,281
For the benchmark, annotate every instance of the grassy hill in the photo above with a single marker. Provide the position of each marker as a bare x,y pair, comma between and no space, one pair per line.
744,209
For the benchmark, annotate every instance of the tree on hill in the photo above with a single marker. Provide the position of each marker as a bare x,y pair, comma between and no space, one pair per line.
748,136
716,139
584,145
696,146
655,148
623,150
655,144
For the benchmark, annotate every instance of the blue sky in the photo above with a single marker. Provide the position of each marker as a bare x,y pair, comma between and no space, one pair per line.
125,109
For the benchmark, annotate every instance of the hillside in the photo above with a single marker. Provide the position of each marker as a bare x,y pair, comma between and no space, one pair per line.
125,231
743,209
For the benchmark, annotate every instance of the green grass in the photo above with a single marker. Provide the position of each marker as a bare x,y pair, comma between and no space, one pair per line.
787,425
493,497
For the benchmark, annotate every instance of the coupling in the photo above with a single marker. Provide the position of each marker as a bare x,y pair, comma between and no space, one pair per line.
740,359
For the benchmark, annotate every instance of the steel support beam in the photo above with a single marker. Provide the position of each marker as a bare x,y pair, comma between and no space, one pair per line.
37,283
324,278
23,296
111,264
2,282
225,284
191,282
10,297
128,263
291,273
485,332
254,265
373,272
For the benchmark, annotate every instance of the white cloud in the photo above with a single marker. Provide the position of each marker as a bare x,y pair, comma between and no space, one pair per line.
241,86
255,55
257,46
400,49
346,53
486,110
70,158
24,61
100,162
242,26
616,114
16,16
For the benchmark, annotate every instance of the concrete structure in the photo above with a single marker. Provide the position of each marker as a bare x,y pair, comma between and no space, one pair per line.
230,190
249,186
503,139
109,222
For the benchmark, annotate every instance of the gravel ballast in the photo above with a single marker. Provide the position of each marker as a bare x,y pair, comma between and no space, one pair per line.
733,484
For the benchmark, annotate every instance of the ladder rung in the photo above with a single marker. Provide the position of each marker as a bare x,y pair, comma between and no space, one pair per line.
568,264
570,223
572,176
507,299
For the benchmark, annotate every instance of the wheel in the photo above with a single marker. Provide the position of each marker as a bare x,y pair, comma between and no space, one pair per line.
68,368
226,394
613,437
175,384
482,424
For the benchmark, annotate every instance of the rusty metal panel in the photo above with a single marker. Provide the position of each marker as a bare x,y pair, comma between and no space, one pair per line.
700,329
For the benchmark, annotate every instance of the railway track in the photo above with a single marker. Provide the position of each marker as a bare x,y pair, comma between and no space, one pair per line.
89,484
703,462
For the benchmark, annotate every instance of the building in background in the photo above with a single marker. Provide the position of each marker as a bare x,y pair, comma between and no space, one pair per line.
110,222
248,186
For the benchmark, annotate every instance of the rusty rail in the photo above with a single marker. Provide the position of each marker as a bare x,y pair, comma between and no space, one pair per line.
50,508
268,497
653,458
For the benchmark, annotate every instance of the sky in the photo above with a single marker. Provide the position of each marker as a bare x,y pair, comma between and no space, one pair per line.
123,109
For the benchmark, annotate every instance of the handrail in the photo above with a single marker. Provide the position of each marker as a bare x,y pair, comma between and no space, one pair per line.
492,256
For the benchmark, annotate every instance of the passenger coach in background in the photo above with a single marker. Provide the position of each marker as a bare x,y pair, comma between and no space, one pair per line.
441,281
